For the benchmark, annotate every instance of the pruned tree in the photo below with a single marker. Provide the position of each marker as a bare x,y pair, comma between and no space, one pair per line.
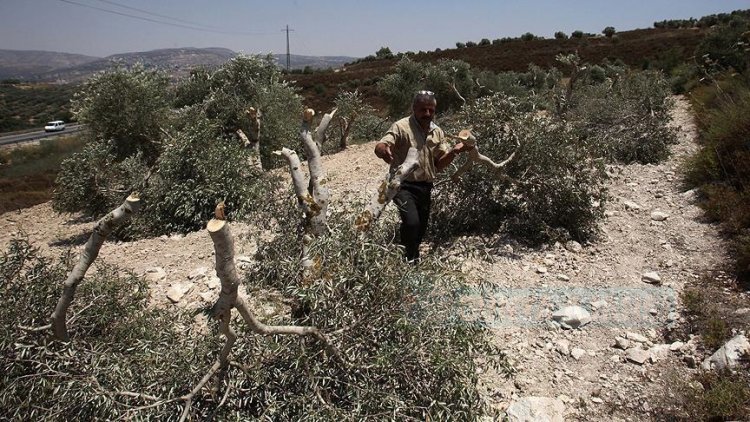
230,299
313,200
252,142
90,251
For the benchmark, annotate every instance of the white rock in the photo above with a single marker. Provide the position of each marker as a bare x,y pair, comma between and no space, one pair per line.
659,351
536,409
155,274
728,355
659,216
577,353
599,304
673,316
212,282
208,297
742,311
690,196
653,311
572,317
597,400
573,246
178,291
651,278
541,270
630,205
563,277
198,273
638,338
676,346
622,343
562,347
637,355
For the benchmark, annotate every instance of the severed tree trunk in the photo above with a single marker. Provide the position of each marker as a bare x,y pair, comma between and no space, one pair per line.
387,190
252,142
229,298
90,251
346,129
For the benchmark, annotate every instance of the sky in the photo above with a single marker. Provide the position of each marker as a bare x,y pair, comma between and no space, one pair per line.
318,28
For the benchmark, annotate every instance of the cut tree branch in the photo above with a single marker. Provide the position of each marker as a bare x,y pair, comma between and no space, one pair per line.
90,251
474,156
387,190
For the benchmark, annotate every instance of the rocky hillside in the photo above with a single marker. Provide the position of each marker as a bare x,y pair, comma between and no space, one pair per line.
46,66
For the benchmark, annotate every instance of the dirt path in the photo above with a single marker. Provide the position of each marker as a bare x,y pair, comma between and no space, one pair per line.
516,289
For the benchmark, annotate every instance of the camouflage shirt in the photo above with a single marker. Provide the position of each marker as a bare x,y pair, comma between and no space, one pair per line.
407,133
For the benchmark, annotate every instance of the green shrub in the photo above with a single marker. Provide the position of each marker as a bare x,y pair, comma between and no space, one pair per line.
400,324
576,34
551,190
625,121
126,109
119,344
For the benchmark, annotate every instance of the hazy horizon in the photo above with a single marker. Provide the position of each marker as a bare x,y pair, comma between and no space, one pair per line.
102,28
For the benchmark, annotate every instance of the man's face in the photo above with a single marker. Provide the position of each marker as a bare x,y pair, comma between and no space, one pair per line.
424,112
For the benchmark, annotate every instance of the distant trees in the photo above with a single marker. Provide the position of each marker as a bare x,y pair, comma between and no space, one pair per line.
559,35
609,31
576,34
460,45
528,36
384,53
471,44
484,41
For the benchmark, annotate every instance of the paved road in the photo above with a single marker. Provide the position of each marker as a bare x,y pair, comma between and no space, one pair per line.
35,136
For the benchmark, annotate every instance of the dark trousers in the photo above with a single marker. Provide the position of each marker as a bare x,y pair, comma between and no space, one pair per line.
413,202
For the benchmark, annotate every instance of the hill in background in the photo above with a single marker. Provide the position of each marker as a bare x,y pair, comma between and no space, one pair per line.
46,66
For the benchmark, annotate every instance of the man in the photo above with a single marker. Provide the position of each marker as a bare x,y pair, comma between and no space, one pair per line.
435,154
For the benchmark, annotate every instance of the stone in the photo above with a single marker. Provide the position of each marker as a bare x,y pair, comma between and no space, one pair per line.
599,304
536,409
728,355
651,278
155,274
573,246
653,312
676,346
572,317
673,316
637,355
563,277
208,297
562,347
597,400
638,338
742,311
631,206
622,343
178,291
659,216
690,196
198,273
577,353
541,270
212,282
659,351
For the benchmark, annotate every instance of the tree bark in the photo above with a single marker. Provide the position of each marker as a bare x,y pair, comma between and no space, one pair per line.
387,190
90,251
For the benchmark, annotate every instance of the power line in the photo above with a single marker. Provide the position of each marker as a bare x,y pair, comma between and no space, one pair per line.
288,56
159,21
156,14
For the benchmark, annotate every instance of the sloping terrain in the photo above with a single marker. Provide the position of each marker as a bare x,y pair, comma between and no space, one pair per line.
652,225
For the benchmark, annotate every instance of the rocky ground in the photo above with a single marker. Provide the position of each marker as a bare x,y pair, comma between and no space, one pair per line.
587,328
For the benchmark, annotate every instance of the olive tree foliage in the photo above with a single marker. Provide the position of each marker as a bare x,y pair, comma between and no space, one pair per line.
198,160
126,354
125,109
398,88
551,190
351,109
243,82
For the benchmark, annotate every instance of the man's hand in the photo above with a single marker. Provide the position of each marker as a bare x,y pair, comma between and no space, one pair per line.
383,151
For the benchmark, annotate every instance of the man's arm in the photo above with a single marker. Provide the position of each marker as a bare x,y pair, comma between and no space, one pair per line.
446,158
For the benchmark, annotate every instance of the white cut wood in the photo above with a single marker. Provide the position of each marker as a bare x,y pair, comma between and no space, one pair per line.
90,251
474,156
387,190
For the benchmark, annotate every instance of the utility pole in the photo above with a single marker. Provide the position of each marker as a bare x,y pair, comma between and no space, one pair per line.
288,56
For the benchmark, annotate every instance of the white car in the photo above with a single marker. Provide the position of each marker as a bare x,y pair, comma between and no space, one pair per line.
54,126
